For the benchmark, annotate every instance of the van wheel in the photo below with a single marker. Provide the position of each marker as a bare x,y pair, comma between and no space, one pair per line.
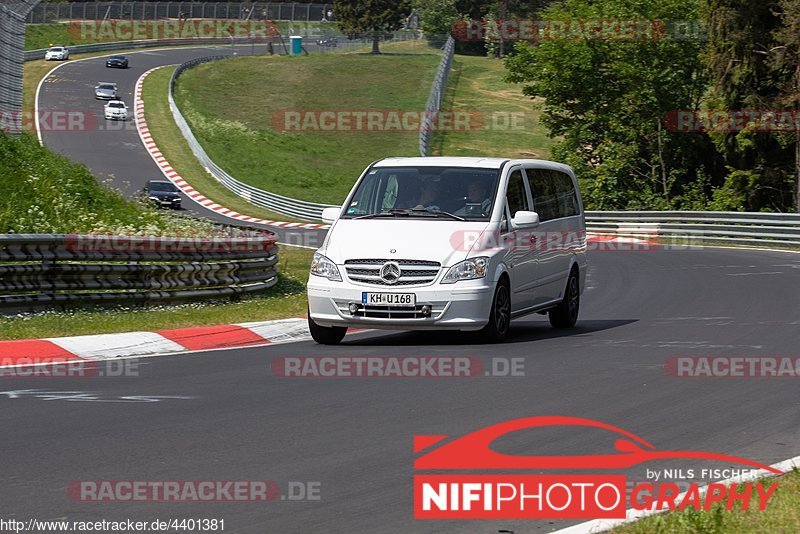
326,335
496,329
565,315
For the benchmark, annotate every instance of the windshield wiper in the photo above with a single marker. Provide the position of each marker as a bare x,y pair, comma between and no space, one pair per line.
394,212
440,212
397,212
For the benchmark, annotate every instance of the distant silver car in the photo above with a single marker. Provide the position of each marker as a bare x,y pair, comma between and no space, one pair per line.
105,91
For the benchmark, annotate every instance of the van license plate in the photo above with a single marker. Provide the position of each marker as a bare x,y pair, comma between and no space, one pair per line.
406,300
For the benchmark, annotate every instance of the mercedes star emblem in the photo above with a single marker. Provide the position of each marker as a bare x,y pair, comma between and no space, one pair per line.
390,272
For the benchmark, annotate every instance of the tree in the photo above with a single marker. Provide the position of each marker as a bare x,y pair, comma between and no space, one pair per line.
752,61
606,99
373,17
437,17
476,9
785,60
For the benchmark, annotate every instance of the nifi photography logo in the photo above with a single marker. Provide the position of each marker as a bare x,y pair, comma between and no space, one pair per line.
505,493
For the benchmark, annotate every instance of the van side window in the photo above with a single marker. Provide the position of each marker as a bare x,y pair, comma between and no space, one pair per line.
545,197
565,192
516,196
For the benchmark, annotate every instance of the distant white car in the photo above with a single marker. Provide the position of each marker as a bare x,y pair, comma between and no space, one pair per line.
57,53
116,110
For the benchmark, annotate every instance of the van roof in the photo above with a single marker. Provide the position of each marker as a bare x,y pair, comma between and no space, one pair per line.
480,163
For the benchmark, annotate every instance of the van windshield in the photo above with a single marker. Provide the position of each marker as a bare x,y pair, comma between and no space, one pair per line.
445,193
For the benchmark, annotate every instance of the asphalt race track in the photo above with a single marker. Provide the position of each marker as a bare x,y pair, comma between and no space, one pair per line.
225,415
112,149
353,436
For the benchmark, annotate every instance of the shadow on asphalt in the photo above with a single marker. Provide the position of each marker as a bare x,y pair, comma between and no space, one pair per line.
521,332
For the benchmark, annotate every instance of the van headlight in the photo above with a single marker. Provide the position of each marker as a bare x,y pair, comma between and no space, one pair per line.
470,269
322,266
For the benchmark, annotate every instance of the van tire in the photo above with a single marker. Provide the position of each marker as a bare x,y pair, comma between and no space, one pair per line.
496,330
326,335
565,315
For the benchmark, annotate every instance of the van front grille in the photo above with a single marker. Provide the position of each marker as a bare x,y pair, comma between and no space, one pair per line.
412,272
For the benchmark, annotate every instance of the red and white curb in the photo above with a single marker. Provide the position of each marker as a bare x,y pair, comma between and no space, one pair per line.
160,342
175,178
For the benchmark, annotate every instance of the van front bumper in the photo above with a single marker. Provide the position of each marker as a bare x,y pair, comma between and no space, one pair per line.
461,306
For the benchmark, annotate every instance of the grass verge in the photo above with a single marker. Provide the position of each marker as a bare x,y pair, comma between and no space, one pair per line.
286,299
44,192
506,122
782,514
38,36
174,147
236,107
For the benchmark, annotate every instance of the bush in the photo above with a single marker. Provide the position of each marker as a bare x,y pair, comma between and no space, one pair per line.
45,193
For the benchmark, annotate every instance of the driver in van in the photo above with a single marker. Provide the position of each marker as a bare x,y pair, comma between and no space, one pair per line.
477,202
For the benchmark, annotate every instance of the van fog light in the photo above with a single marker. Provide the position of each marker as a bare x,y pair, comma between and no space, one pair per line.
426,311
353,307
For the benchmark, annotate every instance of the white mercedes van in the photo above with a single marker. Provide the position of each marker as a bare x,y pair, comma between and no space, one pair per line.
450,243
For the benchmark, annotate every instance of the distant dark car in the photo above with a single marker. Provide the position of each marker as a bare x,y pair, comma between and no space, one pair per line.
163,193
331,42
120,62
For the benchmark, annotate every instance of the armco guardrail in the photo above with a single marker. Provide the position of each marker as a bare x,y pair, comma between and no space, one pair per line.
47,271
434,103
299,209
742,228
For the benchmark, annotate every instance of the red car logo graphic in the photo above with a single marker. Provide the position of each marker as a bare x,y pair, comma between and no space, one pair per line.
473,450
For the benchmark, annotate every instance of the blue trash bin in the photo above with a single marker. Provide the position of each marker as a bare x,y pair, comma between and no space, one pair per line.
297,45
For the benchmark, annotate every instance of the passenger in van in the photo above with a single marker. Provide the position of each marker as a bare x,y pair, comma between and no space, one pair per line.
428,196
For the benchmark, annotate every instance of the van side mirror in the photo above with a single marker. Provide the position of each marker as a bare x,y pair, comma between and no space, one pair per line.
526,219
329,215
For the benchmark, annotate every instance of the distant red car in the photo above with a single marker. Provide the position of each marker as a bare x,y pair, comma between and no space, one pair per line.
473,450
